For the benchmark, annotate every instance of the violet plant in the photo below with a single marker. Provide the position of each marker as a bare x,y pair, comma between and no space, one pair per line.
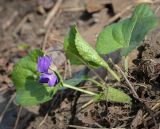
37,81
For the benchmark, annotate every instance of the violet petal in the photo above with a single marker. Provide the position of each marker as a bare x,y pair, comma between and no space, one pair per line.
44,63
51,79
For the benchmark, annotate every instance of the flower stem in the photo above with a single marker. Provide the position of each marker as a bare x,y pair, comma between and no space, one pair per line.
96,82
79,89
105,65
126,65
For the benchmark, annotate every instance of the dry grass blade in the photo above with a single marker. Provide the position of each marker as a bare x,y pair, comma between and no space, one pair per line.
52,13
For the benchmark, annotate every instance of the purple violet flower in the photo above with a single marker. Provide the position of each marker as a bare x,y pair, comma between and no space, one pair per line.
44,63
51,79
43,66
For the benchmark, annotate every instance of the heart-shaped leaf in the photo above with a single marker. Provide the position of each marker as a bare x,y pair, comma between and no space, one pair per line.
25,77
79,51
127,34
113,95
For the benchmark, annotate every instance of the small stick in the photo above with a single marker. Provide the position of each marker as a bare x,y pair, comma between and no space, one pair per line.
130,85
75,9
47,33
152,116
81,127
156,11
20,25
122,12
43,120
153,108
86,105
10,20
119,14
143,1
18,116
3,88
52,13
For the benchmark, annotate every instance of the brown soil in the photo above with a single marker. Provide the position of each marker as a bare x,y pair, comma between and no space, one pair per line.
22,30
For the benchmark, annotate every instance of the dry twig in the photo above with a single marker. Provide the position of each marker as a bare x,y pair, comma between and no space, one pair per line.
9,22
118,15
86,105
47,33
81,127
153,108
74,9
3,88
128,82
20,24
18,116
52,13
42,122
49,21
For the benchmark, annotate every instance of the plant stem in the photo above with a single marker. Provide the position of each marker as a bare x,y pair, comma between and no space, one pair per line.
95,82
103,64
126,65
79,89
111,71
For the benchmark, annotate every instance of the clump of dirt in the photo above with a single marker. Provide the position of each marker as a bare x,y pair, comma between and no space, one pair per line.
147,76
149,59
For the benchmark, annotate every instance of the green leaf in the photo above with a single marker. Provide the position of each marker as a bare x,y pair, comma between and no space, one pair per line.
111,38
34,93
113,95
142,21
78,78
127,34
70,48
79,51
25,77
